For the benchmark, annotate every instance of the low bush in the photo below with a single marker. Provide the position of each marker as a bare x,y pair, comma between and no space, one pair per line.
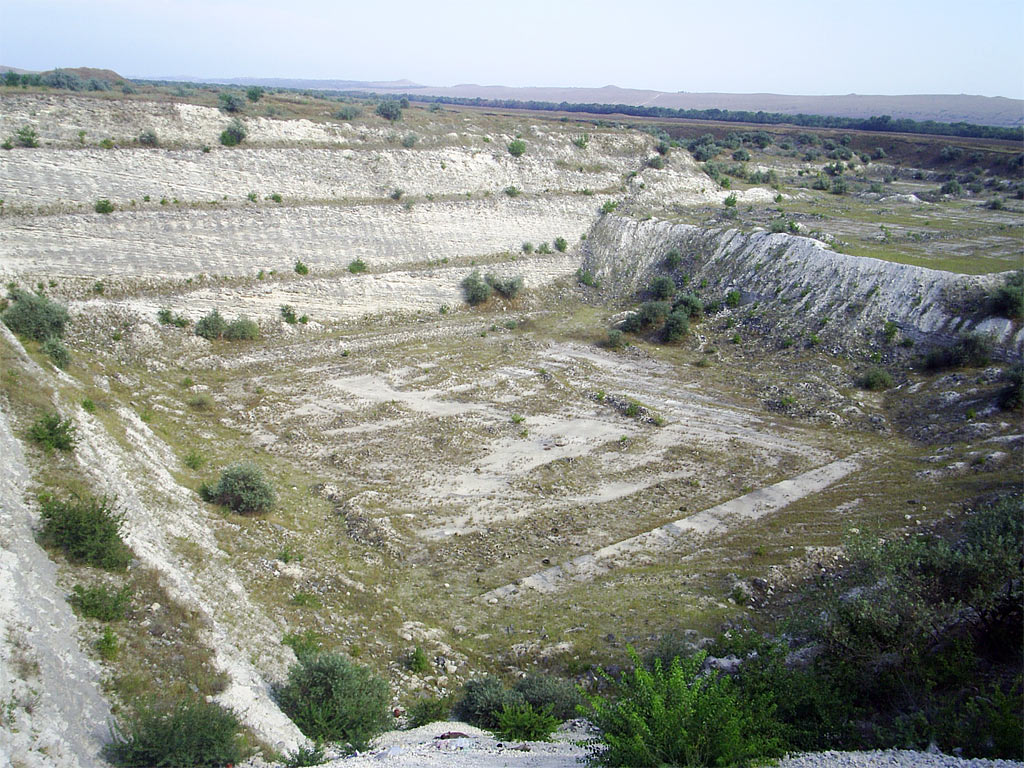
672,260
35,316
148,138
555,694
688,304
26,136
662,288
288,314
190,732
356,266
475,289
306,756
418,661
389,110
517,147
970,351
51,432
242,329
211,326
677,325
87,531
561,244
1008,299
609,206
616,338
657,162
507,287
348,112
234,134
104,206
1012,397
679,717
875,379
254,93
101,602
428,710
483,700
650,313
230,102
732,299
521,722
243,488
331,699
54,349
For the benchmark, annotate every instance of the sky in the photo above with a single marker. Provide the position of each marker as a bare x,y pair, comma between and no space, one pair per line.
739,46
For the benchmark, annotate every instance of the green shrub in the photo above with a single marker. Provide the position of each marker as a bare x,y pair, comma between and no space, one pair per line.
357,266
101,602
242,329
348,112
677,325
418,661
306,756
741,156
86,530
672,260
1008,300
650,313
971,350
586,277
409,140
581,141
26,136
331,699
54,349
609,206
875,379
555,694
104,206
50,432
106,646
301,268
190,732
1012,397
254,93
201,402
428,710
243,488
483,700
678,717
527,248
732,299
689,304
507,287
194,459
211,326
662,287
561,244
390,110
521,722
230,102
657,162
275,197
288,314
148,138
35,316
517,147
234,134
475,289
304,644
615,338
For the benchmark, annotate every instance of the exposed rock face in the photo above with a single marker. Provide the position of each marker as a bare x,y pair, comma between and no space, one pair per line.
800,285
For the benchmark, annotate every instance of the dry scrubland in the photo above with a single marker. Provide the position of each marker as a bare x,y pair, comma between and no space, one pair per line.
494,484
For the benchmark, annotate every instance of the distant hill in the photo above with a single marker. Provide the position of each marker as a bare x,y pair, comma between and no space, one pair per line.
85,73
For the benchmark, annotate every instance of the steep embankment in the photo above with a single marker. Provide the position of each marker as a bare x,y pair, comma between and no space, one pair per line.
797,286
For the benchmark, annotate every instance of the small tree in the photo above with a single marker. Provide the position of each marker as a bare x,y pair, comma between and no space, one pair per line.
254,93
561,244
475,289
104,206
730,201
35,316
517,147
390,110
234,134
243,488
26,137
212,326
230,102
663,287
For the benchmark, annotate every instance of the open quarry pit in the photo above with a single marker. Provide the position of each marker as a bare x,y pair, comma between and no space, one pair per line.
497,483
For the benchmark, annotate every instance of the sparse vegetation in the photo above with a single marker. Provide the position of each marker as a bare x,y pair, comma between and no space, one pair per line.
51,432
101,602
234,134
87,530
242,488
517,147
875,379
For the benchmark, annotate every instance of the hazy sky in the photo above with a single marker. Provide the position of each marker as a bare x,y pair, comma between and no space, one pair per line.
785,46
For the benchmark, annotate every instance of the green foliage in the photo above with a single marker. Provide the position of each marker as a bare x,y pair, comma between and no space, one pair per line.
148,138
211,326
234,134
1012,397
390,110
275,196
475,289
662,288
409,140
650,313
581,141
306,756
356,266
304,644
554,694
672,260
86,530
348,112
679,717
242,329
615,338
561,244
35,316
101,602
288,314
230,102
609,206
741,156
521,722
730,201
677,325
88,406
889,330
971,350
1008,299
514,191
104,206
506,287
544,248
732,299
483,700
839,186
657,162
517,147
107,645
396,194
50,432
301,268
331,699
254,93
951,187
54,349
190,732
418,661
26,137
243,488
875,379
428,710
